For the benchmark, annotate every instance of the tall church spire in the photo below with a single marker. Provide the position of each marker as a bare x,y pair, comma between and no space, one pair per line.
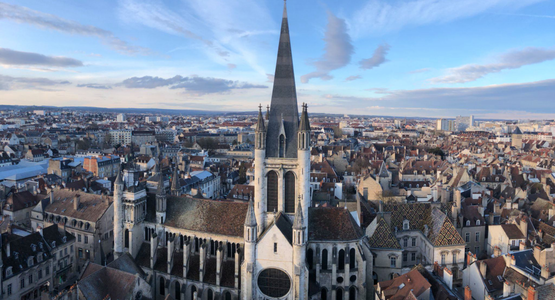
284,100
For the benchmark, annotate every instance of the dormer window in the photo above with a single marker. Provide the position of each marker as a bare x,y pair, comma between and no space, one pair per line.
9,271
483,178
64,239
406,225
30,261
34,247
53,244
39,257
16,255
478,222
468,223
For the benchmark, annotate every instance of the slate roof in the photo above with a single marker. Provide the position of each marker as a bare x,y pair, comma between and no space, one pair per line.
286,227
495,267
91,207
107,282
284,98
512,231
127,264
383,237
21,200
203,215
332,224
400,287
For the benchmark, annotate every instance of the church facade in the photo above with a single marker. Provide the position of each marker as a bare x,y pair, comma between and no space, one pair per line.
279,246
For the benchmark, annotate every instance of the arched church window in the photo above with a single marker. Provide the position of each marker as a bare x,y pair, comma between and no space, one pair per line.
126,238
272,192
289,192
352,260
281,145
325,259
341,260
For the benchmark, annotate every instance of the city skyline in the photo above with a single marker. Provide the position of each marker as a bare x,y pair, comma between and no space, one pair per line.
491,59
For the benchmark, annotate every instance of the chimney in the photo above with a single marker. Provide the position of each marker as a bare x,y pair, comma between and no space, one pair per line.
551,213
39,230
522,246
545,271
537,252
8,250
496,251
506,289
532,293
513,260
76,201
483,269
51,196
467,293
448,277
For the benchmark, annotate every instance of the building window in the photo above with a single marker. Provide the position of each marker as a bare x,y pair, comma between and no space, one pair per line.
405,242
9,289
405,256
275,247
477,250
477,236
454,258
80,252
467,237
22,283
40,274
79,238
86,239
414,242
71,248
443,259
272,192
468,223
477,222
413,256
393,262
47,270
289,192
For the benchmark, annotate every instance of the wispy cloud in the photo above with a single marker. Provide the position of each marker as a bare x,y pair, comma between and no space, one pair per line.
25,15
337,50
193,85
377,58
510,60
158,16
95,86
353,77
380,16
231,67
420,71
269,77
17,83
11,57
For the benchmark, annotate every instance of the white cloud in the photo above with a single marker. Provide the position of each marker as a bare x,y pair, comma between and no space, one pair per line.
377,58
193,85
29,83
337,51
510,60
353,77
11,57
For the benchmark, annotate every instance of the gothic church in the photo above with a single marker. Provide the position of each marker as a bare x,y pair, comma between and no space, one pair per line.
278,246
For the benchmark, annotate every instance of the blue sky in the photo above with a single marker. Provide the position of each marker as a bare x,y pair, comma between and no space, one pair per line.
433,58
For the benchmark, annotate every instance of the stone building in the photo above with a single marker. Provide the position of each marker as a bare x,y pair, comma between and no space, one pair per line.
276,246
88,217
